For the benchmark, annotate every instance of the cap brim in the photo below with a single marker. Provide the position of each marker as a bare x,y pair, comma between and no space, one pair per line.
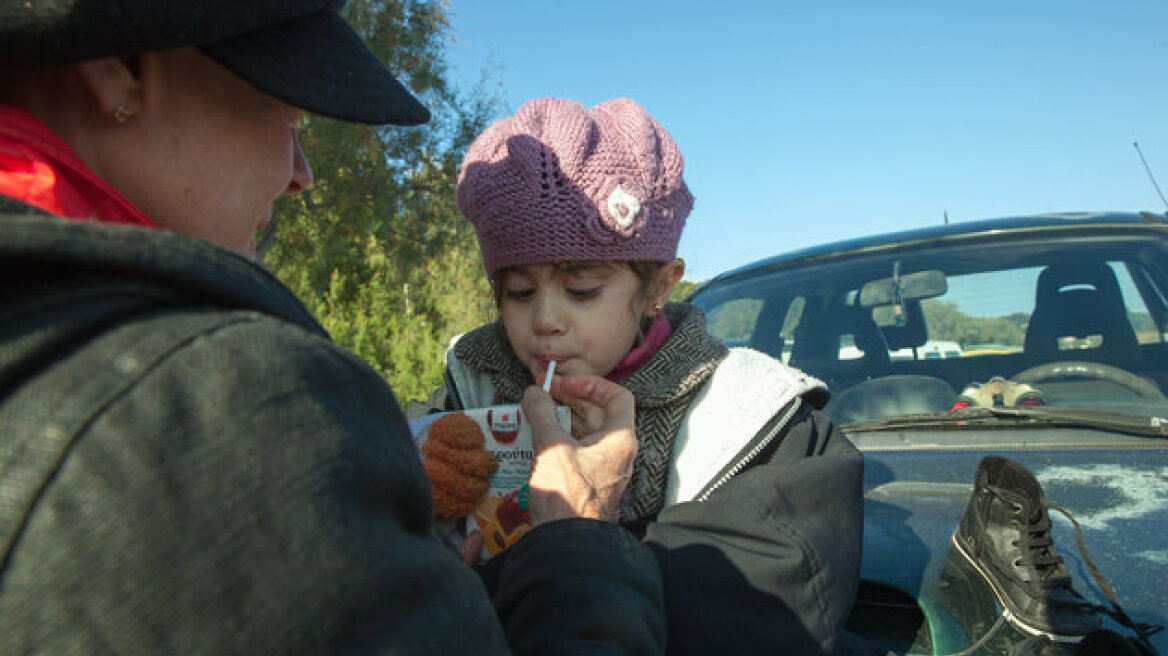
318,63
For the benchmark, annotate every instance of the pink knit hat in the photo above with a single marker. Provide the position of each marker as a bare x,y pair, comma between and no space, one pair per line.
557,182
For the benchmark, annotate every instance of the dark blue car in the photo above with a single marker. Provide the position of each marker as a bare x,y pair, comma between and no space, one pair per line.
1043,339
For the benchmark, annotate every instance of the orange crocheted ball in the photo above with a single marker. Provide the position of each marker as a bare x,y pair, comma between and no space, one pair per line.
459,466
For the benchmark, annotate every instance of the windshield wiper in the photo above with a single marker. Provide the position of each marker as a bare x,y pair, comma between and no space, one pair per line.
1052,416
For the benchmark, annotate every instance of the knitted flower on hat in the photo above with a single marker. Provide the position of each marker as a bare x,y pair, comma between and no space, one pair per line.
558,181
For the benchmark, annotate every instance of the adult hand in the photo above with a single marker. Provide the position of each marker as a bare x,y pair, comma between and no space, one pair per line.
582,477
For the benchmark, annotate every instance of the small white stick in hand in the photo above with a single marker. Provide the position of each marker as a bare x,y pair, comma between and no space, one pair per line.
551,371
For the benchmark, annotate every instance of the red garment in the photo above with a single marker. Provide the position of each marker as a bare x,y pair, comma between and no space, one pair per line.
659,331
38,168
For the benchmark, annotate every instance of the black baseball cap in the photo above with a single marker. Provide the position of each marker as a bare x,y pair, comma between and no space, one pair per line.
300,51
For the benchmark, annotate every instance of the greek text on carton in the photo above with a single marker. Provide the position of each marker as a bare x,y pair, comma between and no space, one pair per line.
502,515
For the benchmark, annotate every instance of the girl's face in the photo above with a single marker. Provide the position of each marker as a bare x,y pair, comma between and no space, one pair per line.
583,315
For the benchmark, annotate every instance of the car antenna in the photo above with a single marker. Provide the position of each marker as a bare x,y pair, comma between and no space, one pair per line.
1151,177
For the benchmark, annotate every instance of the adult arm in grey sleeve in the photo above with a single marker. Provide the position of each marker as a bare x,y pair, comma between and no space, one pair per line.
254,490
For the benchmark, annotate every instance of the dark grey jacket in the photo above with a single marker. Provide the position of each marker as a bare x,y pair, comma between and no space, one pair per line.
188,465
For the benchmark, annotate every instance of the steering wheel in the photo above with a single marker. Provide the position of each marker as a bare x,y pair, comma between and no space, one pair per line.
1083,369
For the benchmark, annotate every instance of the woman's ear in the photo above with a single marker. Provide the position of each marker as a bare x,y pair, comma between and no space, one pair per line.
115,85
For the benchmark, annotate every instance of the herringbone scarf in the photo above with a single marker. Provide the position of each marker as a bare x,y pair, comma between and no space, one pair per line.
663,388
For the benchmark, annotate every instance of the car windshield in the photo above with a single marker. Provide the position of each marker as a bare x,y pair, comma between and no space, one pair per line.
1018,324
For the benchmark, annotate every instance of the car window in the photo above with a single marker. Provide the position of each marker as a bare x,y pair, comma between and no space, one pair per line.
740,322
1137,310
982,313
734,322
791,319
988,313
1012,309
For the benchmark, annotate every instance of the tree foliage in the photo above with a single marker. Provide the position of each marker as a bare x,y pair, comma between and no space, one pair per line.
946,322
376,248
682,290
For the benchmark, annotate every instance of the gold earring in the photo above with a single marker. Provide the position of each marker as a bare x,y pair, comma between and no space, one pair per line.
657,306
122,113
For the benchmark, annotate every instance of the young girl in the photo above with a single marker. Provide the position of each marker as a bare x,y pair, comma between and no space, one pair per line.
749,497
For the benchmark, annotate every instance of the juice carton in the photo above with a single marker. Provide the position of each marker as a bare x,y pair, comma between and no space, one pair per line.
501,516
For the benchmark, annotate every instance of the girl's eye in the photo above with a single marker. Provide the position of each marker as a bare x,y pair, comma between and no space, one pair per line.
518,294
591,292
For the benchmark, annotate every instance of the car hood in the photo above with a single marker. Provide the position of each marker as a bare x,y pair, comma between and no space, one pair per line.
915,497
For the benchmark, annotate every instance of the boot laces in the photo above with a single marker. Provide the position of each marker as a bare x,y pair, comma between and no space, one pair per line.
1143,630
1037,547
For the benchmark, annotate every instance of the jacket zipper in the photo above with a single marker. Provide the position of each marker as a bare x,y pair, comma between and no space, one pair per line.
760,442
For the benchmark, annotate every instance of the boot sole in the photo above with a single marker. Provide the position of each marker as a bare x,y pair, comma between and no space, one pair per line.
1008,613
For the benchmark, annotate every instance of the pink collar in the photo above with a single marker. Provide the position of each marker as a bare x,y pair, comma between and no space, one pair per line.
659,332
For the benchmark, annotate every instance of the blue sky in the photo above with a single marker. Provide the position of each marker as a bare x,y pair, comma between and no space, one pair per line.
806,122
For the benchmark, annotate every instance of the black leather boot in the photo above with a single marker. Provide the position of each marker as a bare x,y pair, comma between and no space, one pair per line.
1004,534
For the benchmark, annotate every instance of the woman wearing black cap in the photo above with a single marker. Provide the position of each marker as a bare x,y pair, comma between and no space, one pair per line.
187,463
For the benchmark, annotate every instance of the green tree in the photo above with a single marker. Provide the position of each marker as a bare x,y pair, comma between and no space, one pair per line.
682,289
376,249
946,322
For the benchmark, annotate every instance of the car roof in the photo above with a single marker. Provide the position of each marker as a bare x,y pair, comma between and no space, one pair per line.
949,231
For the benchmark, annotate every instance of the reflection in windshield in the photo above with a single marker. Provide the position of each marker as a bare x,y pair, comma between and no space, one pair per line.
937,328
